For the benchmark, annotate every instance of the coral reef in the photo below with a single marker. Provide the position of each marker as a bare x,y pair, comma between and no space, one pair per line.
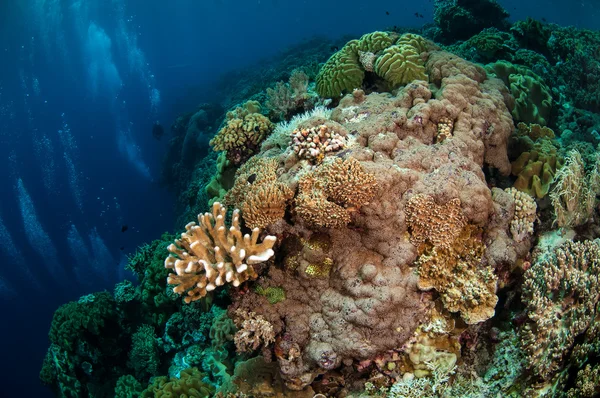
190,384
207,255
561,291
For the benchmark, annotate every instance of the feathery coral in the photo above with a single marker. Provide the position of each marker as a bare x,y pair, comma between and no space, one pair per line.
208,255
253,331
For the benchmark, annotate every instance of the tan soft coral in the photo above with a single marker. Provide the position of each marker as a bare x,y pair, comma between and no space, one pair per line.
257,193
208,254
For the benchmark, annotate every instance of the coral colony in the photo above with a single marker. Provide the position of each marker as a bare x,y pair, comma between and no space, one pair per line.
401,221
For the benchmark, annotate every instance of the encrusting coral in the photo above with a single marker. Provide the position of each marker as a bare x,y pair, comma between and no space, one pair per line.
208,254
561,291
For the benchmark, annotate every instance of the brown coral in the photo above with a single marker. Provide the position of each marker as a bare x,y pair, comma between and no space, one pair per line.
242,134
314,143
328,194
456,272
258,194
429,222
208,254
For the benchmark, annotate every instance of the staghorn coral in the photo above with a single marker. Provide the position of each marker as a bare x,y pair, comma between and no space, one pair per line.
560,291
242,134
328,194
521,225
207,255
316,142
258,194
253,331
456,272
439,225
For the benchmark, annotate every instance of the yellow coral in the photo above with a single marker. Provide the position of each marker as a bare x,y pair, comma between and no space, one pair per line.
256,191
444,129
456,273
209,254
439,225
400,64
341,73
242,134
534,131
420,43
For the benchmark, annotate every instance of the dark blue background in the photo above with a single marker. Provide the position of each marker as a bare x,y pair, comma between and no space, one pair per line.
181,44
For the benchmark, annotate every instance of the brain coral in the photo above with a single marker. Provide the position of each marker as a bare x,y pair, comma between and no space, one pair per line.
351,287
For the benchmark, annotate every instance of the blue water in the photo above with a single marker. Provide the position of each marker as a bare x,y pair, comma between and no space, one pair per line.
82,82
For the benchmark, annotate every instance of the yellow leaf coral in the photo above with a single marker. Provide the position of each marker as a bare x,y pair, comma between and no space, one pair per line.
208,254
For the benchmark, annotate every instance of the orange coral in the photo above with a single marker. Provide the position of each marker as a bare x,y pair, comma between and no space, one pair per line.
439,225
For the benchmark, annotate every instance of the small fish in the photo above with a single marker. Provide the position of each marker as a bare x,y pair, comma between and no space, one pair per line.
334,48
124,228
544,19
252,178
421,16
387,13
122,248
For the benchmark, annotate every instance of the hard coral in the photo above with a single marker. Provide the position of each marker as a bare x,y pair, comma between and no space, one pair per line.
315,142
242,134
327,194
208,255
521,226
560,291
456,272
190,384
256,191
253,331
439,225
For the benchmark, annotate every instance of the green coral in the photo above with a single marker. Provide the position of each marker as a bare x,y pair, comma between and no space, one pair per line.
535,169
533,101
273,294
189,385
342,73
128,387
222,180
375,42
143,356
400,65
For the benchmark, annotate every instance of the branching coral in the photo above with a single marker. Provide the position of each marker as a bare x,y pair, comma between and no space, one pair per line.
256,191
327,194
242,134
455,271
253,331
208,255
561,291
521,225
315,142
